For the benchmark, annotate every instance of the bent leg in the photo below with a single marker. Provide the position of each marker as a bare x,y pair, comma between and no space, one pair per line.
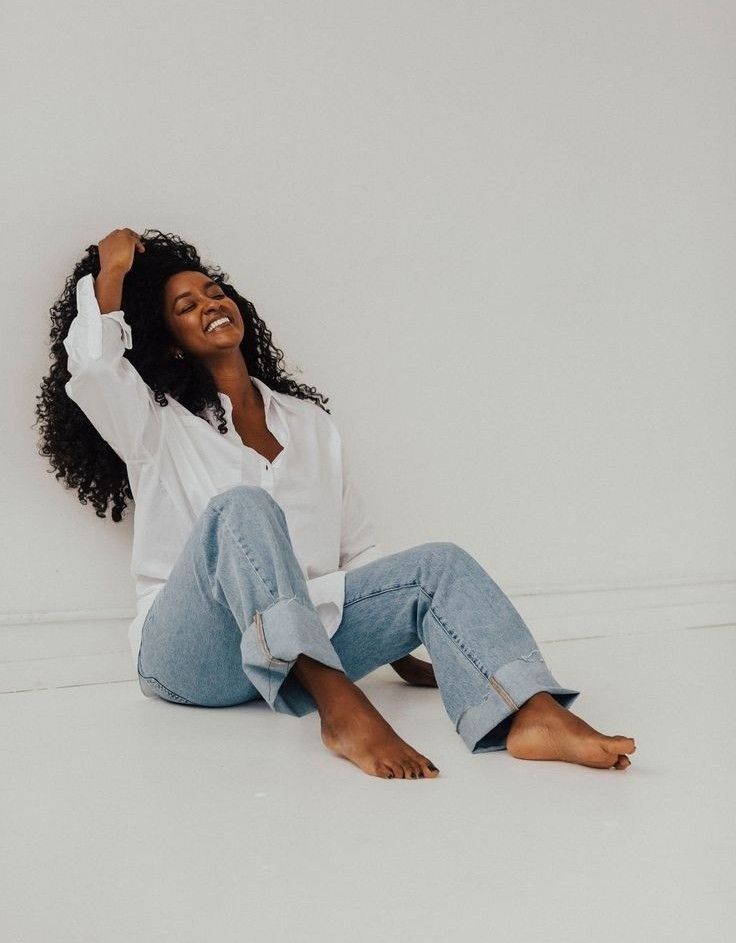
235,613
485,659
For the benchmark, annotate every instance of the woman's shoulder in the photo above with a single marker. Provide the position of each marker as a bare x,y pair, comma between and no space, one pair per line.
312,414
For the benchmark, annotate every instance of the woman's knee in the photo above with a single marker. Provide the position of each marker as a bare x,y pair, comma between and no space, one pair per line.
443,555
444,549
252,497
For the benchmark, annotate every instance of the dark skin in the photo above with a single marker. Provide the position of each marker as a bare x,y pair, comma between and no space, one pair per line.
193,301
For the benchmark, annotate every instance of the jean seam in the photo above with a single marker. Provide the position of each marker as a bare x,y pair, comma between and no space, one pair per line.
272,660
510,702
184,700
246,555
379,592
495,684
471,656
445,628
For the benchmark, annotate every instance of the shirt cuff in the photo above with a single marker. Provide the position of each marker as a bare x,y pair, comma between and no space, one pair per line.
91,325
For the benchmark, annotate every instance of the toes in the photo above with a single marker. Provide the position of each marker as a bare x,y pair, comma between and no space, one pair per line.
620,744
416,769
389,770
411,768
608,760
613,758
427,768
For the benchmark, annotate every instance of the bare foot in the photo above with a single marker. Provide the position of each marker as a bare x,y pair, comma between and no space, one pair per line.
353,728
415,671
543,729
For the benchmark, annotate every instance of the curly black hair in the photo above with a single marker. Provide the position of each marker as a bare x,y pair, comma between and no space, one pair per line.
76,450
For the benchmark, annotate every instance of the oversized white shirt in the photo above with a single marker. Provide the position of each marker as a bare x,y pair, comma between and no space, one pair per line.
177,461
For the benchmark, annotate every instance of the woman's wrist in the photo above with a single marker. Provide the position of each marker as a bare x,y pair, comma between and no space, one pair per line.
109,289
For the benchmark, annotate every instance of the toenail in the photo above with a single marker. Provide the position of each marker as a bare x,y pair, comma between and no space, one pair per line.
390,775
433,767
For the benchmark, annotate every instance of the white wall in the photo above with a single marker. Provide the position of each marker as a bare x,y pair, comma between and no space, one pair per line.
499,235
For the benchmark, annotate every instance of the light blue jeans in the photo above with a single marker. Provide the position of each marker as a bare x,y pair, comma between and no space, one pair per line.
235,615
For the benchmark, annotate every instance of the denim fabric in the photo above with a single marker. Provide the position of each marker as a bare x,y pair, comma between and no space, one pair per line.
235,614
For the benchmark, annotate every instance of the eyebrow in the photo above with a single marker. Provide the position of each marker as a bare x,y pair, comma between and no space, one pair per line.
184,293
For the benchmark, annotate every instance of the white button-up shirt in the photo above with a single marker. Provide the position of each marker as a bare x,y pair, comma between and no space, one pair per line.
177,461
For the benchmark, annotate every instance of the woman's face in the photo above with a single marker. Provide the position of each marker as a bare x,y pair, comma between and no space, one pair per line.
192,302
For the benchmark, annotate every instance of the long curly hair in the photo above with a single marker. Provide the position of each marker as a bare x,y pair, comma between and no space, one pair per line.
75,449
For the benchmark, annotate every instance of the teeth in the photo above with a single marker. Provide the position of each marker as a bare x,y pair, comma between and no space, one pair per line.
217,323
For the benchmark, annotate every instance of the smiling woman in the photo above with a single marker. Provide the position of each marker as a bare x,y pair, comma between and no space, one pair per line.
169,297
252,548
275,476
194,304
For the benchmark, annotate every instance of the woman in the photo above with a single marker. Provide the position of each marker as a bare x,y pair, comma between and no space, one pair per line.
256,569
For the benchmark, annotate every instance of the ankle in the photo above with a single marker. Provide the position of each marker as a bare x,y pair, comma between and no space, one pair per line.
541,702
326,685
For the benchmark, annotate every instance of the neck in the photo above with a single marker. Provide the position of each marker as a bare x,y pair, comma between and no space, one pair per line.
231,377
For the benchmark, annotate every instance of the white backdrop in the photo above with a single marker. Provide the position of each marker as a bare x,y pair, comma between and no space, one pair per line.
500,236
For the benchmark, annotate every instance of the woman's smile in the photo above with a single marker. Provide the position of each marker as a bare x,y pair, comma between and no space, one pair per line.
220,322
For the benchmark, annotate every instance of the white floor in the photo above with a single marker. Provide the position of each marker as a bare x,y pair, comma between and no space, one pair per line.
128,818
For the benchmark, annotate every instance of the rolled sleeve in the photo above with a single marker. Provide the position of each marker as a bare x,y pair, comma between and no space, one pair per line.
104,383
94,336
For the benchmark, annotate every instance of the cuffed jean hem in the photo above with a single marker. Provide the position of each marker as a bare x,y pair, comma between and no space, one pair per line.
485,726
271,645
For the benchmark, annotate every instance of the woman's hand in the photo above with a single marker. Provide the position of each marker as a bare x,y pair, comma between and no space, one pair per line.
415,671
117,251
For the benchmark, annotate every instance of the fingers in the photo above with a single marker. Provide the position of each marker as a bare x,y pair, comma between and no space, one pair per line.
139,242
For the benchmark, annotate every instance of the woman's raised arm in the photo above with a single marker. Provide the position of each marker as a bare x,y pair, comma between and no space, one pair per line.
104,383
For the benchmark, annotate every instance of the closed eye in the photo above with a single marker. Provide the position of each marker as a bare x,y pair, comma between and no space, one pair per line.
184,310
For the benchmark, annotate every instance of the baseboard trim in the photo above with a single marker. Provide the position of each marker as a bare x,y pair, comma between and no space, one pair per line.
655,607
